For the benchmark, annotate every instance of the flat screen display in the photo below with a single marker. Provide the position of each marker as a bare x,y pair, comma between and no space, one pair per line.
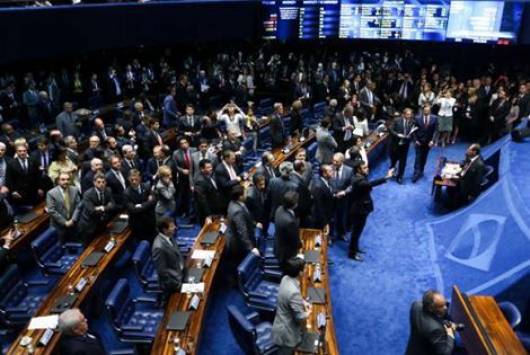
417,20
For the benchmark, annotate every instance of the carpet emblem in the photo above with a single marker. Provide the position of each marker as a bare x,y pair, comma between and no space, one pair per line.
476,243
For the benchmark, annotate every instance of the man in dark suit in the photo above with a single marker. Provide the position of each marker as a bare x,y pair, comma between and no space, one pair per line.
343,128
361,204
140,204
169,262
64,207
207,195
98,207
23,178
240,236
75,339
227,176
473,169
87,179
266,169
280,185
323,203
116,182
151,138
400,133
341,182
277,129
258,203
43,157
182,157
189,124
287,241
428,333
201,154
93,150
101,131
424,138
129,160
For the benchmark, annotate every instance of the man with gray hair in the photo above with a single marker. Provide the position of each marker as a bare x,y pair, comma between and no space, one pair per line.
75,339
71,149
278,186
276,126
66,121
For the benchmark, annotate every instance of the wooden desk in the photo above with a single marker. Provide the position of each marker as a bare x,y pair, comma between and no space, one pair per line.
487,332
308,237
73,276
31,229
439,181
190,337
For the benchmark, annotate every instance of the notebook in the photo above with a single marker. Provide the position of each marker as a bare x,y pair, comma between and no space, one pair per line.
28,217
195,273
316,295
92,259
312,256
178,320
118,227
63,303
209,238
309,343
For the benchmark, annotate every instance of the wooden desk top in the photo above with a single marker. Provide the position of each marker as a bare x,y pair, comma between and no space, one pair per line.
190,337
375,140
496,327
74,275
438,180
308,239
31,229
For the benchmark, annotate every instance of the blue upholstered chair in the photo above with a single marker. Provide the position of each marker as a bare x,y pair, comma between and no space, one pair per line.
19,299
134,319
511,313
254,283
265,107
265,138
52,257
319,110
266,249
252,334
312,151
144,267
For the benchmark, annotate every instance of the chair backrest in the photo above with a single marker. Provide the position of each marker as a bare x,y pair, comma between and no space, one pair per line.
12,288
319,108
248,144
249,273
312,151
242,329
143,264
119,304
511,313
265,134
46,247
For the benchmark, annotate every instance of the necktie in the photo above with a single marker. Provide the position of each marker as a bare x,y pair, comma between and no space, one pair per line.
139,190
187,158
159,139
2,171
426,121
24,164
337,174
213,182
120,178
190,121
232,173
131,164
101,197
66,199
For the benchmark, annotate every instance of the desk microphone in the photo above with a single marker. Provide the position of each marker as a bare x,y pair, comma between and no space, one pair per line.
457,326
322,338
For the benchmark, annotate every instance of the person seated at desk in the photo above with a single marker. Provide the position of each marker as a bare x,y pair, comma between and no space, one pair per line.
169,262
291,309
470,178
75,339
428,333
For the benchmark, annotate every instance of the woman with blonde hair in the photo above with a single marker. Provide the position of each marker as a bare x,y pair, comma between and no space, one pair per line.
165,192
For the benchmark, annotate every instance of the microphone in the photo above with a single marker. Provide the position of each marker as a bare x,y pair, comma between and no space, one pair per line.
457,326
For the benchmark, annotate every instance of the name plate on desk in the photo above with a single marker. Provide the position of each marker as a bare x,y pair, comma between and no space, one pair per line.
110,245
222,228
81,284
321,320
317,275
192,288
203,254
194,303
318,241
45,338
209,238
207,262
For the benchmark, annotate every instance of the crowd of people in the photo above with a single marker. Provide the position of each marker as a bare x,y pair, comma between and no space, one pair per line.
200,174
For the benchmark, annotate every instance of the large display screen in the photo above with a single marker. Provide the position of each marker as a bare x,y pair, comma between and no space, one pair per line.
421,20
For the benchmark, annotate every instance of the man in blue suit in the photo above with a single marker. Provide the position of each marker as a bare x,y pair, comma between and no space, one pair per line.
424,138
342,183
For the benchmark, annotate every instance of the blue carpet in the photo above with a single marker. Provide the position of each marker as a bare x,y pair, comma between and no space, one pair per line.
412,245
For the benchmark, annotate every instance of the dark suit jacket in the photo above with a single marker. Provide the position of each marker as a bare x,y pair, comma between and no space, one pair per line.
277,189
425,134
81,345
277,130
469,184
427,333
92,221
338,124
142,219
4,258
125,167
170,264
361,194
150,140
240,235
400,127
117,188
26,183
184,126
323,203
257,205
207,198
287,242
233,146
224,183
91,154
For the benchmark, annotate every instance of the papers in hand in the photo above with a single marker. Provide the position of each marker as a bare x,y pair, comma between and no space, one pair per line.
300,256
203,254
192,288
46,322
358,132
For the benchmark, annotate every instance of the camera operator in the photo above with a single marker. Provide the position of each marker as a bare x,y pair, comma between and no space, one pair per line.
429,332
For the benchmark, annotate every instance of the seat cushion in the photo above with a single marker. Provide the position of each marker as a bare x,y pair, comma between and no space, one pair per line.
264,337
148,320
